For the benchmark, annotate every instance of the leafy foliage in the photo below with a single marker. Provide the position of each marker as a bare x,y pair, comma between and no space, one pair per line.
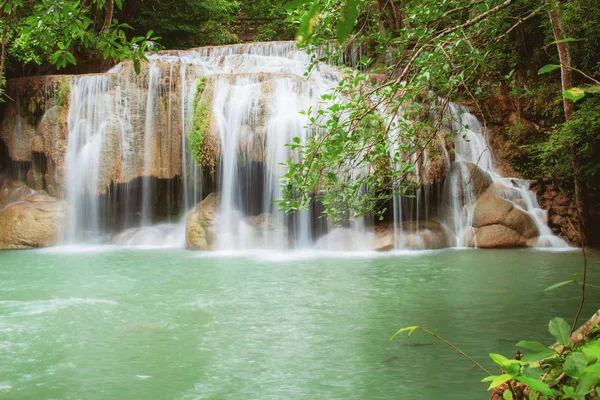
369,131
582,133
562,371
185,23
55,32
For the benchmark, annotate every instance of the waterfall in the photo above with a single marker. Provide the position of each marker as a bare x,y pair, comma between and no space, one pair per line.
471,146
130,176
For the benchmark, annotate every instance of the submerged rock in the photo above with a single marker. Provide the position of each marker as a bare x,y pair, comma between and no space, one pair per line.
28,218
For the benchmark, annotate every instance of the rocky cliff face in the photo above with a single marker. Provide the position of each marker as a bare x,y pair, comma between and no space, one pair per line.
561,210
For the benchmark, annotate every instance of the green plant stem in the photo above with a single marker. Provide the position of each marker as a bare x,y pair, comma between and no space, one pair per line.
583,284
435,335
587,284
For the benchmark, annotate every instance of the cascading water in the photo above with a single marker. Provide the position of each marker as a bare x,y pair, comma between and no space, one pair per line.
471,147
128,159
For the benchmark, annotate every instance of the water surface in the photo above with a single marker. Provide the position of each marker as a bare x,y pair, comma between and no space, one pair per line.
114,323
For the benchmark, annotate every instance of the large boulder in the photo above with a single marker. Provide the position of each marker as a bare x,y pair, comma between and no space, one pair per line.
499,224
498,236
29,219
200,230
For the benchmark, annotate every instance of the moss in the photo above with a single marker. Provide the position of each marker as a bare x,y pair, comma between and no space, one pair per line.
197,137
63,95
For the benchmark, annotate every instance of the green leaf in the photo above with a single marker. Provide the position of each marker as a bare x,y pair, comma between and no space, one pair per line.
586,382
55,57
569,391
575,364
346,24
593,89
532,345
548,68
307,23
499,359
507,395
496,380
565,40
70,58
559,328
574,94
592,351
410,330
536,384
557,285
136,66
537,357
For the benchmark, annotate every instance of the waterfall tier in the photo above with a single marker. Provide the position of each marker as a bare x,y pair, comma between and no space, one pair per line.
122,148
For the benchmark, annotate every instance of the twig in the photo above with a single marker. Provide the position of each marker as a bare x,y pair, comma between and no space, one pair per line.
435,335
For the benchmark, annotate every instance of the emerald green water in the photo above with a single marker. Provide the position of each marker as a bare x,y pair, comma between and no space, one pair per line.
105,323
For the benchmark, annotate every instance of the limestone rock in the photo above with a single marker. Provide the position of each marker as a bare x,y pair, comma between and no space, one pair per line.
200,224
28,218
500,224
498,236
490,209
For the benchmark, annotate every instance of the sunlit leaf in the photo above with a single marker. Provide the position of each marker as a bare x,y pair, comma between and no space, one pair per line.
410,330
574,94
496,380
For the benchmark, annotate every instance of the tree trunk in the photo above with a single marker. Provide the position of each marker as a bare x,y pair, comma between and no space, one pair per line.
110,6
567,83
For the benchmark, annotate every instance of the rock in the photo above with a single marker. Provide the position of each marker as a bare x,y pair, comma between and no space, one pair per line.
29,219
561,200
498,236
35,179
13,191
521,222
500,224
490,209
478,178
200,224
268,229
428,234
